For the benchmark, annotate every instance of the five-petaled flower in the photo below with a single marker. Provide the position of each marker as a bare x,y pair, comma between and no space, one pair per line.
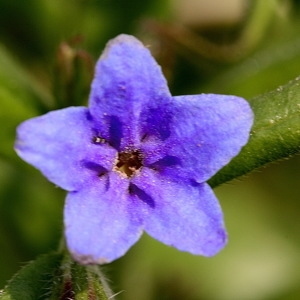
137,159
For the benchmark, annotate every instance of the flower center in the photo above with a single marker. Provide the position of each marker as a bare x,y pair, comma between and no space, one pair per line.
129,162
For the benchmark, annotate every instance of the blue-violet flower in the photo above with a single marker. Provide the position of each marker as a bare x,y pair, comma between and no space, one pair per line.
137,159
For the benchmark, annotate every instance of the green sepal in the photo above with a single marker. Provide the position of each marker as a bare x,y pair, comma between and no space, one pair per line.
80,282
275,134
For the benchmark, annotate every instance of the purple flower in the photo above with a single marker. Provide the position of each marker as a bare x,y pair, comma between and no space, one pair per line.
137,159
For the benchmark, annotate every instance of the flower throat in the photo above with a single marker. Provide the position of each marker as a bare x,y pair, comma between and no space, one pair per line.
129,162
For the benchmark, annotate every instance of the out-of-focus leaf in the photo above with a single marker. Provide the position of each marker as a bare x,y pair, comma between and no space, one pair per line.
275,62
21,97
262,71
21,83
275,134
13,110
258,16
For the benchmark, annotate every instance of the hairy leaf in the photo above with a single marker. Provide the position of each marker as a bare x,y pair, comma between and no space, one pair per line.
34,280
275,134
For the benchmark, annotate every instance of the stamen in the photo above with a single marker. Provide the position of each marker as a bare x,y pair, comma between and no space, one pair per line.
129,162
98,140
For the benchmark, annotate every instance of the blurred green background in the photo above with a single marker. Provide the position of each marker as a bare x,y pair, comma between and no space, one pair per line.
47,52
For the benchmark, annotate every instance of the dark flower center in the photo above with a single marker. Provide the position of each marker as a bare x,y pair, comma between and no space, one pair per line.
129,162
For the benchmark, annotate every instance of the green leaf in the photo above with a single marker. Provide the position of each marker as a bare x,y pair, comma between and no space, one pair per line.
34,280
275,134
57,276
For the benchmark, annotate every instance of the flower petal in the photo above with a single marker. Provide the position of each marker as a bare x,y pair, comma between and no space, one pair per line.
127,78
100,223
208,131
187,217
60,144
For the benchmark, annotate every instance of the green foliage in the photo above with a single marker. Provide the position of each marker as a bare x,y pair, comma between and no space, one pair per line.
33,282
56,276
275,134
